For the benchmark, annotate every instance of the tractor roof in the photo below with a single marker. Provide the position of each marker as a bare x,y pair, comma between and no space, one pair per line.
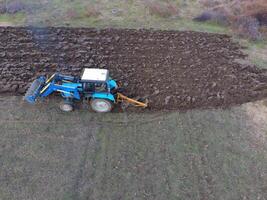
95,75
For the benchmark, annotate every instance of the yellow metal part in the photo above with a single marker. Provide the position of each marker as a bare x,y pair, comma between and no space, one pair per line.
48,80
47,83
44,89
123,98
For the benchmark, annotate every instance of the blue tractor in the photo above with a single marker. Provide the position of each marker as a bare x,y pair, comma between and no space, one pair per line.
94,86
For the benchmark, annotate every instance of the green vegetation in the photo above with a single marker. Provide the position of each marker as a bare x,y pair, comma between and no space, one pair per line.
16,19
47,154
260,62
126,14
116,14
256,50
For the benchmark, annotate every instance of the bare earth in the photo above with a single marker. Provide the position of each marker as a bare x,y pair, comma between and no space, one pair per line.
174,70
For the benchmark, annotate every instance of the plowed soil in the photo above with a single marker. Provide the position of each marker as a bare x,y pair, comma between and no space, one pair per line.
174,70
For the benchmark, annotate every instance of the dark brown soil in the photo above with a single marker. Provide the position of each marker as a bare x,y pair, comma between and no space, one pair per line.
174,70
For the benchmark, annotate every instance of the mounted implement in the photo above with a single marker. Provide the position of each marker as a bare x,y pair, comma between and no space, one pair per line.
94,86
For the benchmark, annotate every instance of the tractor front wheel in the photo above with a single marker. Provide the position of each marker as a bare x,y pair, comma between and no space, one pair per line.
66,107
101,105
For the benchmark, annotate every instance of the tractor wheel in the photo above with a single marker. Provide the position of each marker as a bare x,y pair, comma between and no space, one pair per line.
66,107
101,105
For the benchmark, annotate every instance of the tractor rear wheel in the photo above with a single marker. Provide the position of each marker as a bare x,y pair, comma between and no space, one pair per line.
66,107
101,105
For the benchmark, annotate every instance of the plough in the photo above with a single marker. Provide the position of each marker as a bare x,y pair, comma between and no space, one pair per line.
94,86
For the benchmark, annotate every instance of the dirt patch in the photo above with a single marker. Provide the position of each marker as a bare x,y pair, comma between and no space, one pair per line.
174,70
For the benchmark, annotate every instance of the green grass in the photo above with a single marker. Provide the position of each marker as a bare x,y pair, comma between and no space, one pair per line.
133,14
204,27
261,44
256,50
47,154
154,23
262,63
16,19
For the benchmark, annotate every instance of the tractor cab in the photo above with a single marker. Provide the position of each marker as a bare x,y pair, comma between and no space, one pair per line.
97,87
95,80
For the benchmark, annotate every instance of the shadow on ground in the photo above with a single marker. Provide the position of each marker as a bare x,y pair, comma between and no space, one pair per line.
211,154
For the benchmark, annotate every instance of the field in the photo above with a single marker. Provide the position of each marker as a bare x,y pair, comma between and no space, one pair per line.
203,137
211,154
174,70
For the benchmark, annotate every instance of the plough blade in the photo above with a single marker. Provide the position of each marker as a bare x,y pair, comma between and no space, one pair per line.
123,98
